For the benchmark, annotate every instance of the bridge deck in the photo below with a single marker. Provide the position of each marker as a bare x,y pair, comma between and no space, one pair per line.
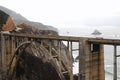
65,38
69,38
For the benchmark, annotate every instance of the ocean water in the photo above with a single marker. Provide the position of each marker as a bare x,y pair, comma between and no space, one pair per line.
109,33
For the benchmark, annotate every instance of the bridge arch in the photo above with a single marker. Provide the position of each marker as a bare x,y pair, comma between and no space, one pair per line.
40,57
23,45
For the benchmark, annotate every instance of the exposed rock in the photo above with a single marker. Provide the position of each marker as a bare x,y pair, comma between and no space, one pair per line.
35,64
6,23
27,29
96,32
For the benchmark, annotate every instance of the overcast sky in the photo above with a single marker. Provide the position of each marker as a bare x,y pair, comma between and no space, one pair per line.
68,13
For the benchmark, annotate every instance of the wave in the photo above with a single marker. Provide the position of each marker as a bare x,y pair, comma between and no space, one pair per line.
110,73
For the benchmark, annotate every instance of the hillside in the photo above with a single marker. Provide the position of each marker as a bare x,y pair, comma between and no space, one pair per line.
19,19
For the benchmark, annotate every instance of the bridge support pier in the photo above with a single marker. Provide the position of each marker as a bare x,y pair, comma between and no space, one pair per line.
92,61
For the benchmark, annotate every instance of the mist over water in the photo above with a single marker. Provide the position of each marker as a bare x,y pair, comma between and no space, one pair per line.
107,32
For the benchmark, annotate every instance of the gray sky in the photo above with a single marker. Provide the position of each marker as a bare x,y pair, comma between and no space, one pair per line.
68,13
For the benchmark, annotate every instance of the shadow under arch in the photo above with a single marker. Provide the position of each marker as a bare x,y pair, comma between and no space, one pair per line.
23,45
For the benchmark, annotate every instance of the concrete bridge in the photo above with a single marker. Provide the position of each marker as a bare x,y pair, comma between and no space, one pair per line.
90,50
